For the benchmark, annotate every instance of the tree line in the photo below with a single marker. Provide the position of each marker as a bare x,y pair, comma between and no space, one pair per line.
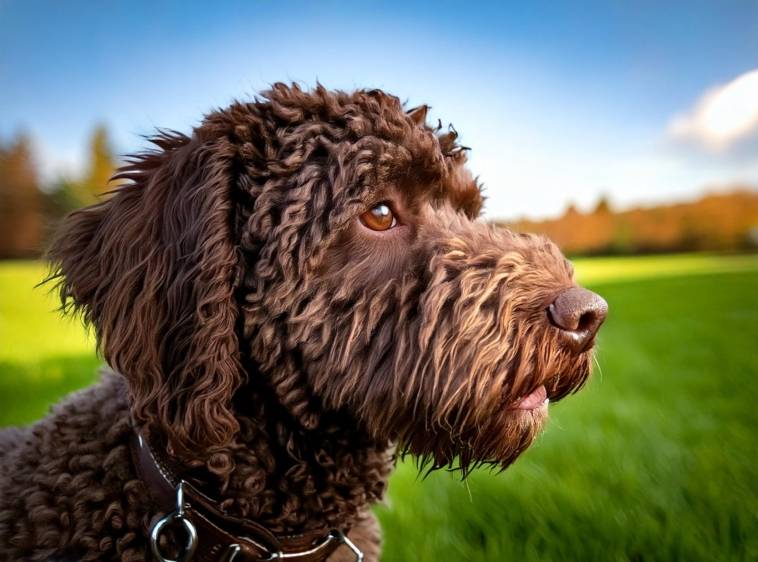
726,221
30,211
30,208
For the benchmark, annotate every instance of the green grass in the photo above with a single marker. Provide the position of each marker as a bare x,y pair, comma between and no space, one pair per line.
42,356
600,270
654,460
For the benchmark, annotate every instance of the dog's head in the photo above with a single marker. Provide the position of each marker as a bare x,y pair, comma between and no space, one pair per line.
325,245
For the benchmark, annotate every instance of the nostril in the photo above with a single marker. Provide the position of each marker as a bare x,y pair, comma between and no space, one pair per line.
587,320
579,313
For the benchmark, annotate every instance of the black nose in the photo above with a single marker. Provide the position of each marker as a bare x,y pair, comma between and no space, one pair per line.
578,313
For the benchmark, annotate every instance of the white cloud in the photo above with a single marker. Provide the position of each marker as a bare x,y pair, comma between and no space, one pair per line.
722,116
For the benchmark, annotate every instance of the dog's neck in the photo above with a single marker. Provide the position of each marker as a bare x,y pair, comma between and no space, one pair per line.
291,479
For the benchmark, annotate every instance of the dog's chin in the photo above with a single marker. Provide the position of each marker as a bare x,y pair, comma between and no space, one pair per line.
497,431
513,429
525,417
518,429
496,443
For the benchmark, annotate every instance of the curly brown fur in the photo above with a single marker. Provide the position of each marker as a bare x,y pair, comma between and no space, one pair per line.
278,349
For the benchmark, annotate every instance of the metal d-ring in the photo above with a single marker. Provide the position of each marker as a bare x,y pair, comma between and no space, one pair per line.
175,516
231,552
351,545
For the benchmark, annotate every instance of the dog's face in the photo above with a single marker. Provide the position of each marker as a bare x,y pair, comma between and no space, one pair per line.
328,244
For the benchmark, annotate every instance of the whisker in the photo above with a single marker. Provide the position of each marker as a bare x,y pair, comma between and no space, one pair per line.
597,364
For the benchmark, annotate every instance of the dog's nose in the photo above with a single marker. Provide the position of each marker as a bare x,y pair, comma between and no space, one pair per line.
578,313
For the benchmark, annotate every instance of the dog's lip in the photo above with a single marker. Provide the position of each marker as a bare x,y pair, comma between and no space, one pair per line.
535,399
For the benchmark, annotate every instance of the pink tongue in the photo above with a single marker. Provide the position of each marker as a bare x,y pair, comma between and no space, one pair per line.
534,400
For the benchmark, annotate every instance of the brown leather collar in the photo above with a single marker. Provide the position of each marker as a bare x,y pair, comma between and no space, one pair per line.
213,536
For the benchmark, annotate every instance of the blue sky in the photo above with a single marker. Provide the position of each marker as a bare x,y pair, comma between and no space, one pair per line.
560,101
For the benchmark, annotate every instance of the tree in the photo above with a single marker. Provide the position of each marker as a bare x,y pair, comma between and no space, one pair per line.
603,205
20,201
102,162
571,210
68,194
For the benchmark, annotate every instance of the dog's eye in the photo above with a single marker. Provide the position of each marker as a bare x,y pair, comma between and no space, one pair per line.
380,217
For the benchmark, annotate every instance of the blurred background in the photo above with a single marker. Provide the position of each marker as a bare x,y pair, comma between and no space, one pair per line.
627,131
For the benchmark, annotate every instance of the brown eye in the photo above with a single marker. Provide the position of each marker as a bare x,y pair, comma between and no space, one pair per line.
380,217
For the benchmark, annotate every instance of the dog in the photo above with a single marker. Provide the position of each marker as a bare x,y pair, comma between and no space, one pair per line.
288,300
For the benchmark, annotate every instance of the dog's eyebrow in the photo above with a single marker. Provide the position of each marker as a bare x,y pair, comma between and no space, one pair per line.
464,193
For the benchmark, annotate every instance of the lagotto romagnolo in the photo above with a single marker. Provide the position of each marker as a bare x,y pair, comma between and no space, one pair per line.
287,299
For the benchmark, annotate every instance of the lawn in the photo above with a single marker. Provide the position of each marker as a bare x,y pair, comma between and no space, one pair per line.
654,460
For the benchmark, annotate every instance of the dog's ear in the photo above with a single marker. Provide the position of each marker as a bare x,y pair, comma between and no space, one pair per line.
154,270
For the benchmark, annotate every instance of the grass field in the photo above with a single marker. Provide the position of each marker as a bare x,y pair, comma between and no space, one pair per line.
655,460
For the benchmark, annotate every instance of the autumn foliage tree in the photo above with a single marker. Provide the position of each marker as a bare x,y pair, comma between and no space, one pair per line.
29,211
71,193
21,205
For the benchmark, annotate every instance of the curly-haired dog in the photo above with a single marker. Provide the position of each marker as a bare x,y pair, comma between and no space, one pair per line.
287,299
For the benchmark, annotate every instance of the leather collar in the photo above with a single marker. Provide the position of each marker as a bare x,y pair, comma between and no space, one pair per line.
212,535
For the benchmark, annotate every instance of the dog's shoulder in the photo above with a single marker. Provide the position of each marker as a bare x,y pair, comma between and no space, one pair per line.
87,424
107,397
61,475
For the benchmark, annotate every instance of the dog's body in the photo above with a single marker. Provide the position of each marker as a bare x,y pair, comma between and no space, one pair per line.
69,490
289,295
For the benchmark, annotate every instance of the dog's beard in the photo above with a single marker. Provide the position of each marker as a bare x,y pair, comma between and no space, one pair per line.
495,430
497,443
470,411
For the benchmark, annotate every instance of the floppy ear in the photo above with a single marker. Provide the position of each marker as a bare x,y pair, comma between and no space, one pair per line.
154,270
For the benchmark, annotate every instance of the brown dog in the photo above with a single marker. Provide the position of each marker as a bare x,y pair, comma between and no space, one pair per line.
288,298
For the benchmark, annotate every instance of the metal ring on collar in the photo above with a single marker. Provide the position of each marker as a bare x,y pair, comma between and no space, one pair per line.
189,529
